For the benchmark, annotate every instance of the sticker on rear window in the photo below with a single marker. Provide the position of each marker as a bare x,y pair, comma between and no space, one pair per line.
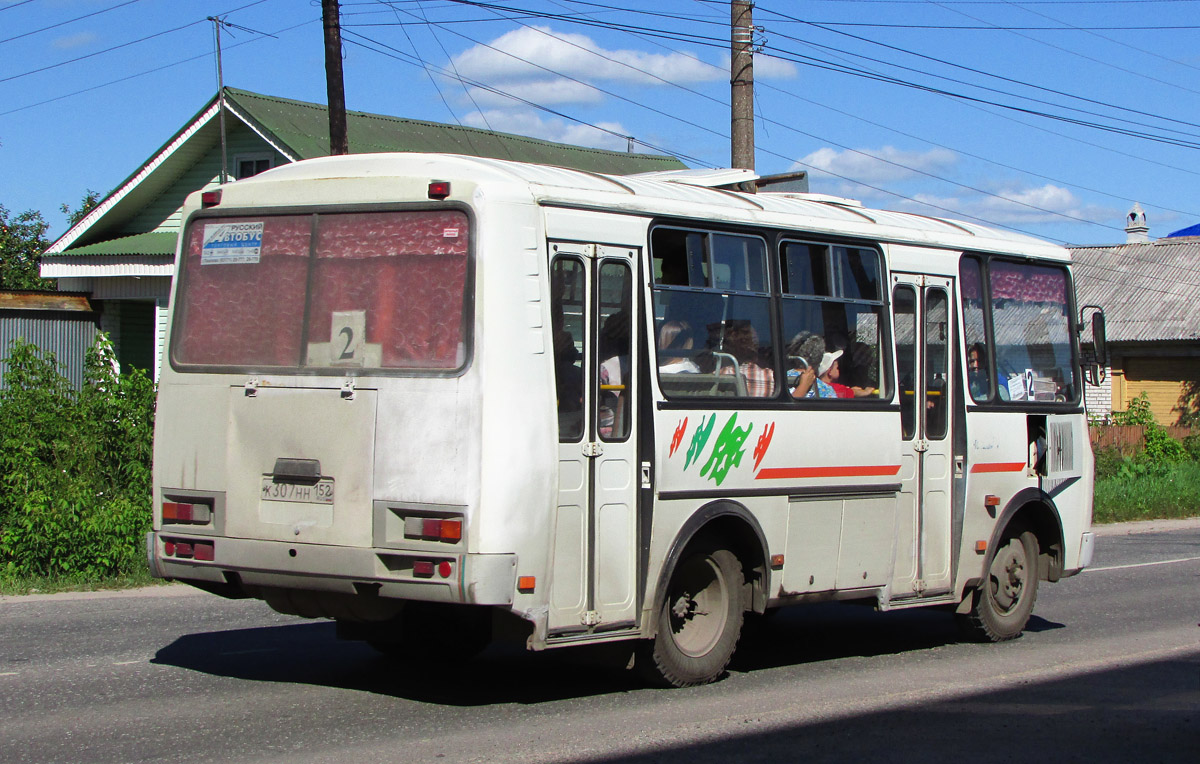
230,243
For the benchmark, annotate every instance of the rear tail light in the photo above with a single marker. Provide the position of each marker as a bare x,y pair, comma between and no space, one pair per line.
423,568
181,512
427,568
434,528
190,549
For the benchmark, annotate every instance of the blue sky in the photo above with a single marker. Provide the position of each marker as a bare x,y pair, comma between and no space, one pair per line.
1050,118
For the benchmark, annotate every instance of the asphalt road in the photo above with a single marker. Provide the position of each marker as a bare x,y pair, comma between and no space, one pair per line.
1109,671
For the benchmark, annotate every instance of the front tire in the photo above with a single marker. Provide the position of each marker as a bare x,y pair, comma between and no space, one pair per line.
699,622
1004,601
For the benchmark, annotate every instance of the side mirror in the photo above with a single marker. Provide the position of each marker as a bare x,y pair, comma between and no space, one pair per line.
1099,346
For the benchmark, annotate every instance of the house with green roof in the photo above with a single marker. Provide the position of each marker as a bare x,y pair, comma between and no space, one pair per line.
122,253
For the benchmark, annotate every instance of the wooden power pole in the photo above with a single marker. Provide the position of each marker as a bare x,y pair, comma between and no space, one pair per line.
741,84
330,14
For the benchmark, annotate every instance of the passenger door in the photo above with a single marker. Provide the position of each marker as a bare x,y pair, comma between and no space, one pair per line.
924,350
596,359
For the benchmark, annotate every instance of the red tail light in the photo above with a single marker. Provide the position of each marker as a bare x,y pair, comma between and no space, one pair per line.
433,528
182,512
423,568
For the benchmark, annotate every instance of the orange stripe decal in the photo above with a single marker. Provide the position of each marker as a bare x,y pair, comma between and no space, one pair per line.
869,470
998,467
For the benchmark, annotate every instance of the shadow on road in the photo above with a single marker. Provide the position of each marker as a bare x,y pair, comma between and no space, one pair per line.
309,653
1142,713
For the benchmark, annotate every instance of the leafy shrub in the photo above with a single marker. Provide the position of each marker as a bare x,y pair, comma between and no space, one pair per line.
1160,448
1138,412
1108,462
1191,444
74,466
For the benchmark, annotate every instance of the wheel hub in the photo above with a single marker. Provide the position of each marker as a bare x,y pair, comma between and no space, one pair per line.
1008,576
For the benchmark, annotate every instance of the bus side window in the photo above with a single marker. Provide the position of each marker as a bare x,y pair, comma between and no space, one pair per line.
567,321
832,301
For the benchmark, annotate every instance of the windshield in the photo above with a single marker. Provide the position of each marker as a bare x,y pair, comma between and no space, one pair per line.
324,292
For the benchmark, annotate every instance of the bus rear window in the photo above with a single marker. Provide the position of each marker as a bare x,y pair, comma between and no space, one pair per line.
324,292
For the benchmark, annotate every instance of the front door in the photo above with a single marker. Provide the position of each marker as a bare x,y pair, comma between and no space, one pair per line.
924,345
594,562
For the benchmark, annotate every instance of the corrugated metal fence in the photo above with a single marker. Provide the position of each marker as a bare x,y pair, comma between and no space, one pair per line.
67,334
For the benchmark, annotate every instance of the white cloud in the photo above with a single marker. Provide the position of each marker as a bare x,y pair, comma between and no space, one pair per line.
525,122
544,92
524,55
765,67
883,165
74,41
1013,205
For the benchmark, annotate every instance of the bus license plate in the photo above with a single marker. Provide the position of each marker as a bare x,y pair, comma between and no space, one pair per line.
320,492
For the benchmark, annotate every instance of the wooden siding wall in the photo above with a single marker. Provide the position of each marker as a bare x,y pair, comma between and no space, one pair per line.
1169,383
163,214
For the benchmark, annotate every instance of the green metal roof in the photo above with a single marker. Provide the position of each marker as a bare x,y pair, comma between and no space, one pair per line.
304,129
153,243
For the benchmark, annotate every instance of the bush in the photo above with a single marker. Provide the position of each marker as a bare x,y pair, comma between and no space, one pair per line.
74,467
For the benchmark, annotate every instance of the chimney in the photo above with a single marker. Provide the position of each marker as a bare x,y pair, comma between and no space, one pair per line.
1136,230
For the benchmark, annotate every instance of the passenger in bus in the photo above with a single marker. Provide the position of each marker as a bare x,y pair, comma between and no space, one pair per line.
827,374
676,336
614,373
804,354
859,368
738,338
977,379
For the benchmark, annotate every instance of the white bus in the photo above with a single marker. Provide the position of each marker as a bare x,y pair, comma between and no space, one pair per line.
452,398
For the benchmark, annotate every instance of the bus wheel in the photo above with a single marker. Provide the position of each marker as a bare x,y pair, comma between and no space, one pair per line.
700,620
1004,601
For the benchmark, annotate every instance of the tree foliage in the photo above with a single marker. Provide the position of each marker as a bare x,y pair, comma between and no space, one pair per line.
89,202
22,242
74,466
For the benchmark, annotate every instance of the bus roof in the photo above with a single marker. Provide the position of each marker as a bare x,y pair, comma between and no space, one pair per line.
680,195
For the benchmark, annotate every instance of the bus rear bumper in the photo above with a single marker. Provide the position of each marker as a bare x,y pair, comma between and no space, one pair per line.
474,579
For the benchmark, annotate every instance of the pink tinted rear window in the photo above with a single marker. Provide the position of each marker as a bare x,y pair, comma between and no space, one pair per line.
244,313
405,273
385,290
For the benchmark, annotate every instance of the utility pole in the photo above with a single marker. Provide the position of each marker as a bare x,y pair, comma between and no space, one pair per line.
336,88
221,101
741,84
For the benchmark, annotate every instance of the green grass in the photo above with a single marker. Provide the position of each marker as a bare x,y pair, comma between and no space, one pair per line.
14,584
1147,492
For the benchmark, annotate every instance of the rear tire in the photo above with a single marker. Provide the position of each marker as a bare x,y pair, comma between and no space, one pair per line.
699,622
1004,601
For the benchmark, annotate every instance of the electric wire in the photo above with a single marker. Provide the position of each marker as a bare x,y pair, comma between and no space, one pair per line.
68,21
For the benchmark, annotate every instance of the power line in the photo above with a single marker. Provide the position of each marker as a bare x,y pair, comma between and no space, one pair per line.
122,45
147,71
1079,55
973,70
68,21
958,213
812,62
404,57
